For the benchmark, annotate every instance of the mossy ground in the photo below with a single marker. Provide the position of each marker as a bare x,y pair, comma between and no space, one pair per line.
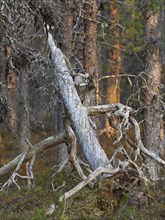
121,197
109,199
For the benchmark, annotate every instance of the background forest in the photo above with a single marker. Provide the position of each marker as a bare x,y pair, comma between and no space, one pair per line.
114,54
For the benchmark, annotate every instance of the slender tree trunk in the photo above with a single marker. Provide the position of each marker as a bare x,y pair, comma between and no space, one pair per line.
67,9
113,84
153,120
11,84
1,80
62,151
90,50
10,72
24,127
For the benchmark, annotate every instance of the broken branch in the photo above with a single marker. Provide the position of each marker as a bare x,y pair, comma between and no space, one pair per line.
35,149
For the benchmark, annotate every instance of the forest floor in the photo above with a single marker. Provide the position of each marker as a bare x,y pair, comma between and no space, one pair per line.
122,197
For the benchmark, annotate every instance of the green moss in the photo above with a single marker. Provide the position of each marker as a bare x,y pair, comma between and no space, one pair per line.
33,203
38,214
154,5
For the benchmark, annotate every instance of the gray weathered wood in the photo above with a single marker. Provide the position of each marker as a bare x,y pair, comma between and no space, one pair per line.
35,149
102,109
77,113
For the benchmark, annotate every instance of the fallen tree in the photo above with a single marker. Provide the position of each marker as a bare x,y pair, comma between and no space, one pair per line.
80,130
78,116
117,110
77,113
60,138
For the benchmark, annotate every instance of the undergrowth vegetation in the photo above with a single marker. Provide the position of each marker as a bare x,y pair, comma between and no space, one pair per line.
121,197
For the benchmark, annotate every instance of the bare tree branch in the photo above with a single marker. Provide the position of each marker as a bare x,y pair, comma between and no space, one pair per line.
140,144
35,149
92,176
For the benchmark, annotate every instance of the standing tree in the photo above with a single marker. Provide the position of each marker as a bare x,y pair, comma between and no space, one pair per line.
10,72
153,130
90,50
114,57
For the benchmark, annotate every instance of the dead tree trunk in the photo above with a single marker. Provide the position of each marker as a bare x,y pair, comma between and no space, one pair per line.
66,9
77,113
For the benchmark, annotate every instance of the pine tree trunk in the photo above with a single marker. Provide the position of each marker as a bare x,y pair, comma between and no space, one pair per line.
153,132
90,51
113,84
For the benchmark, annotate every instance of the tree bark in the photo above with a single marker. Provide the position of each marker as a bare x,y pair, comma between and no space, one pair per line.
66,8
10,72
2,71
153,132
11,84
23,104
77,113
90,51
113,84
61,153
